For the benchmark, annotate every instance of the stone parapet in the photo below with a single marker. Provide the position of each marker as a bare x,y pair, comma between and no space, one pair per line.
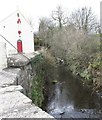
14,83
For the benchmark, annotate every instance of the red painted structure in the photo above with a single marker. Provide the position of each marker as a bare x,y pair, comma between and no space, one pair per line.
19,42
19,46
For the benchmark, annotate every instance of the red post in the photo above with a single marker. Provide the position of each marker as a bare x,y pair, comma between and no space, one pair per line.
19,46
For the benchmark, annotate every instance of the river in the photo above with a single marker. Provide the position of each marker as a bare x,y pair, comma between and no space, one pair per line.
69,98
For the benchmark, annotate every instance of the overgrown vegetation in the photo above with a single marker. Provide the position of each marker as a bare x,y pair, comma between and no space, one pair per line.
38,82
44,66
76,40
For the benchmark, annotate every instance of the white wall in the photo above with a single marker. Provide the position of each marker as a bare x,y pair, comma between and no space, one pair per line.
27,36
9,29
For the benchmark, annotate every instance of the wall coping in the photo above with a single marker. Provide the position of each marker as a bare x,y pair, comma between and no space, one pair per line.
18,60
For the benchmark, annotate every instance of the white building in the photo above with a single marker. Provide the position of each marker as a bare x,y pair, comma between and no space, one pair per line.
9,28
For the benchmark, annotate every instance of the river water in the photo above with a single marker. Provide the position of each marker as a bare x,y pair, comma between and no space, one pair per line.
68,98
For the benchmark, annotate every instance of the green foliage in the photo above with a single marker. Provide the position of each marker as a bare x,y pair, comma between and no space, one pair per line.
92,72
45,69
37,90
38,81
97,61
85,74
38,42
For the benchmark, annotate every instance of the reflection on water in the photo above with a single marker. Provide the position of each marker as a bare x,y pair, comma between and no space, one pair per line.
61,100
68,95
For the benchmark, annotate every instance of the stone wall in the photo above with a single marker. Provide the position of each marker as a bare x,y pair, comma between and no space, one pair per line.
15,86
26,73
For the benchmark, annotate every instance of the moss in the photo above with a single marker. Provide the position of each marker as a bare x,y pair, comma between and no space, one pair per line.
45,69
37,90
38,81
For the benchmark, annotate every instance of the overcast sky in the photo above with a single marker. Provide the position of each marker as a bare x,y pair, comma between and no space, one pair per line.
36,9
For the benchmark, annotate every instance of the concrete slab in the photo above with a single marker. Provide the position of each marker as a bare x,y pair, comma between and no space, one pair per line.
11,89
27,111
12,100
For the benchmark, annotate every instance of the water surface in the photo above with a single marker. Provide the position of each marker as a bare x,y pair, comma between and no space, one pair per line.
68,97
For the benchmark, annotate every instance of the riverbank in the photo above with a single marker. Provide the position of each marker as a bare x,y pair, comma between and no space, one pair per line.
69,98
56,74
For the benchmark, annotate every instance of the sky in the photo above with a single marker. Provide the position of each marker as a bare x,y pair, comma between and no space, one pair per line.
35,9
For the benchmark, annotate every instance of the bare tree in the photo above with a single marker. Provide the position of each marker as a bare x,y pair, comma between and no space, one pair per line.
84,19
59,17
30,22
46,27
